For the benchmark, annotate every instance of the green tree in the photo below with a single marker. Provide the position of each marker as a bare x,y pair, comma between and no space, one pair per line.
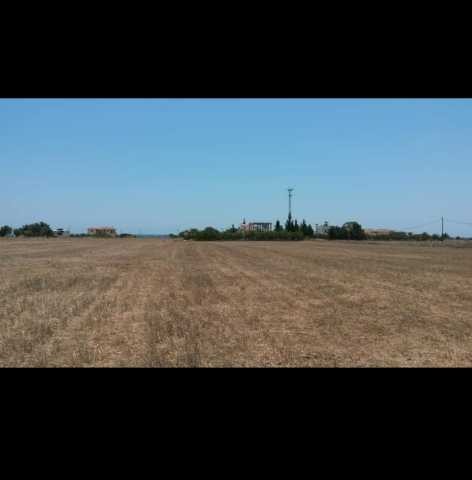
306,229
5,231
278,227
39,229
189,234
289,224
303,227
336,233
354,231
208,234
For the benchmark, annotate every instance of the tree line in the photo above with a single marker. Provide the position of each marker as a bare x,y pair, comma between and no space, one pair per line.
292,230
38,229
420,237
210,233
354,231
42,229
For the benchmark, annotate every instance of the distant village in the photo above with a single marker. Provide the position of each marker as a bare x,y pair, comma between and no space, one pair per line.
254,230
267,227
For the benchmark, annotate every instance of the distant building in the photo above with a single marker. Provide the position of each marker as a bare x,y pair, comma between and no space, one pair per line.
322,229
256,226
378,231
60,232
102,231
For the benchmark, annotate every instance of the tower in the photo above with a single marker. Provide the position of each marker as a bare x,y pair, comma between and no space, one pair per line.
290,190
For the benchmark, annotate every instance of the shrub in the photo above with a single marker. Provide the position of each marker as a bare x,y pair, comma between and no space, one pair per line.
5,231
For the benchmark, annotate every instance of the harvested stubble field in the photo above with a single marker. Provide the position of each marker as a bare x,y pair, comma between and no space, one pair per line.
159,303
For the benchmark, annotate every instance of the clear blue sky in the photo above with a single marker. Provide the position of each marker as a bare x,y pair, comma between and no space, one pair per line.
159,166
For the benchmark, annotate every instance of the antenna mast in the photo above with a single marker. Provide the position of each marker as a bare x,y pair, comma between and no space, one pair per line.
290,190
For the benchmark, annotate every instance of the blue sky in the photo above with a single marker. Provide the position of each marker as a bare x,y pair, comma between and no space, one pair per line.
162,165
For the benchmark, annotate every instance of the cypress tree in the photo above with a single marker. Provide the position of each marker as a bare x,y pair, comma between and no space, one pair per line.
304,228
289,224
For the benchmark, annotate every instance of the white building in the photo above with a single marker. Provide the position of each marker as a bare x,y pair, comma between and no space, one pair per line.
322,229
256,226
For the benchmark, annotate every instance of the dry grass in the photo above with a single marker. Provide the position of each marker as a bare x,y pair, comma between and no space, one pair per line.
149,302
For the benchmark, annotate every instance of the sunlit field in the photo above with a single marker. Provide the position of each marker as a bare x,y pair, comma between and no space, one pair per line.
174,303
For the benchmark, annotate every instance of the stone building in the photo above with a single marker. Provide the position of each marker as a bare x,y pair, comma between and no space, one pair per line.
102,231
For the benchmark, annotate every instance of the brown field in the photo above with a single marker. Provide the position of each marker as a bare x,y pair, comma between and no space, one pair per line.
159,303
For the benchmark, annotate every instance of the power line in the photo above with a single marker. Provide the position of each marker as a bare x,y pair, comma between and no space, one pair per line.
460,223
419,226
406,229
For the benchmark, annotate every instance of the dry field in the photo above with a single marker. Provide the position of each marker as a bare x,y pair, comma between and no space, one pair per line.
159,303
